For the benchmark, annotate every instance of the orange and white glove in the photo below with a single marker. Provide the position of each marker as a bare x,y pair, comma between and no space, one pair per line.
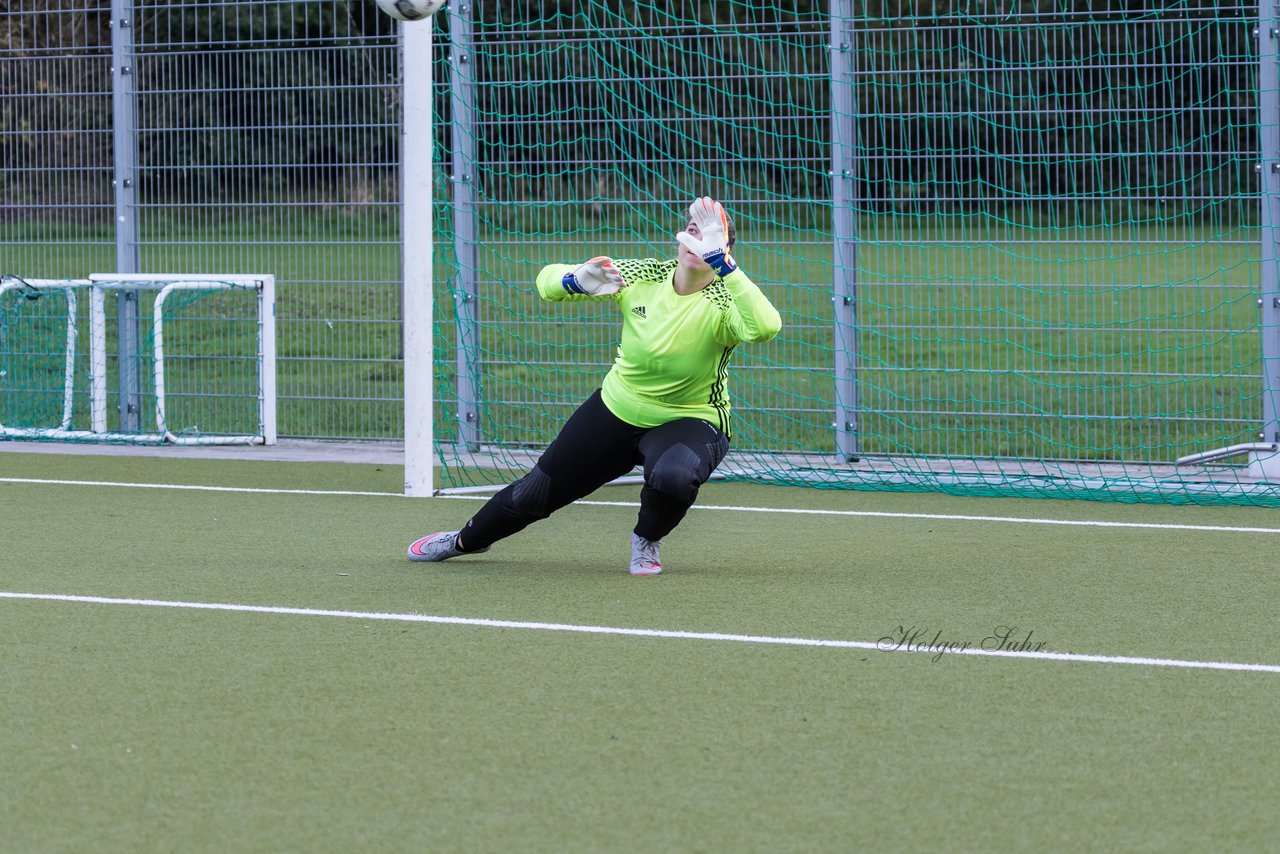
712,245
599,277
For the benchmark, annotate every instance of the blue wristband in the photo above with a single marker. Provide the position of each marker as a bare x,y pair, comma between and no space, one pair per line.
721,263
570,283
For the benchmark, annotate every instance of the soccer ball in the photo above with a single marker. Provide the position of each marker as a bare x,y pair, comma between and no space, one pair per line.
410,10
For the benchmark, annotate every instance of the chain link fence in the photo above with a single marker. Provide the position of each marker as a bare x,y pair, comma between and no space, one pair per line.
1018,233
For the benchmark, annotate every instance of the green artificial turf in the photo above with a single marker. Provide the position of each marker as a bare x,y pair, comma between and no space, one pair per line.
133,727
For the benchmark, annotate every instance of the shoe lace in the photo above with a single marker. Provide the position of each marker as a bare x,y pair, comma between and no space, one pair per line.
444,543
648,553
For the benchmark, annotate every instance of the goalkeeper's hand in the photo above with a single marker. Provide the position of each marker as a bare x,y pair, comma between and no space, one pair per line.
599,277
711,244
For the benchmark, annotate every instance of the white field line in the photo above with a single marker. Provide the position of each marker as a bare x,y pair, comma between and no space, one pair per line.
649,633
951,517
941,517
189,487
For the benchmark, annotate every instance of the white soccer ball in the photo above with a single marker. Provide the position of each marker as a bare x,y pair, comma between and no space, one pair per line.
410,10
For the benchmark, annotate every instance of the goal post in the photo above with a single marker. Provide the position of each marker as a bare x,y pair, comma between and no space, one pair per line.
416,242
1011,258
209,353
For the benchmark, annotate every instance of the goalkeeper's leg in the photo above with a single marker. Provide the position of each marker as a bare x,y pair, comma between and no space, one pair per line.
678,458
593,448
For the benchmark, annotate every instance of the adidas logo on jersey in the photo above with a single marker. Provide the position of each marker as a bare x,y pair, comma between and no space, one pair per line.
638,311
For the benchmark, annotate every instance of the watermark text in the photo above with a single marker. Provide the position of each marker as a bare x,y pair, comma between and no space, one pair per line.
938,643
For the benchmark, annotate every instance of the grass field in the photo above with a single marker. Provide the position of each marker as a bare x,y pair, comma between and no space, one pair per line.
318,692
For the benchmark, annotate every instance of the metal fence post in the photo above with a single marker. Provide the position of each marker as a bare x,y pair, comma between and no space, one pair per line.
124,144
844,228
1268,464
462,94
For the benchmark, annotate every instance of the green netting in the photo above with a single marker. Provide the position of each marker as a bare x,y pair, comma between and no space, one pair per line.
1037,270
210,362
37,352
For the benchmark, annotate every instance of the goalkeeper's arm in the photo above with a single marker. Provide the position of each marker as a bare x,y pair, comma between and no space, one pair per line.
752,318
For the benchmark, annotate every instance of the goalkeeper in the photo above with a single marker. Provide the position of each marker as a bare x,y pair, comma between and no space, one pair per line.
664,404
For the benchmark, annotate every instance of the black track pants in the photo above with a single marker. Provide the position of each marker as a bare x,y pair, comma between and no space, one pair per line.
593,448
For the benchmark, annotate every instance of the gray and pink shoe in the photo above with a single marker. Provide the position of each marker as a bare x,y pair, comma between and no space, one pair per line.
441,545
644,556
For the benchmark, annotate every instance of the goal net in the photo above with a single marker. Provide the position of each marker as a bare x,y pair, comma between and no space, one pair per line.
1016,250
140,358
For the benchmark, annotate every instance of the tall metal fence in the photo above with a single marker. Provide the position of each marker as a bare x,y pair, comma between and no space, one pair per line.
1017,233
219,138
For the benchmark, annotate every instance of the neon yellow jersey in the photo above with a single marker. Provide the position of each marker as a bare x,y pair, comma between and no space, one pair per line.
673,357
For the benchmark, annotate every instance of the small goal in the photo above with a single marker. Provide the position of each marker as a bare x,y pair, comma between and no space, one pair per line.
177,359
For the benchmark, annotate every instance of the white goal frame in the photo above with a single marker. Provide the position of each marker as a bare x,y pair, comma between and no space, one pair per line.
416,246
97,286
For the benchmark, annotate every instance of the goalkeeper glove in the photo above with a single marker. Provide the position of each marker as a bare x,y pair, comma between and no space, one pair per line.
712,244
599,277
